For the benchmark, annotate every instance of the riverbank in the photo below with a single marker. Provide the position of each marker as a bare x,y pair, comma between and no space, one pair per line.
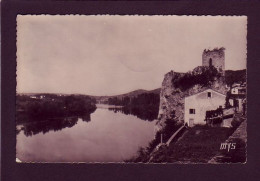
201,143
197,145
52,106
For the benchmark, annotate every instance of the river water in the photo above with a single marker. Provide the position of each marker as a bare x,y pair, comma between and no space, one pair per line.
104,136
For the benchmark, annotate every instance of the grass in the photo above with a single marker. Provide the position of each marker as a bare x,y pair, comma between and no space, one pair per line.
198,144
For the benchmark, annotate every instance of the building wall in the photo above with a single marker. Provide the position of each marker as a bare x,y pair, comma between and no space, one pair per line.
231,102
240,105
201,103
217,56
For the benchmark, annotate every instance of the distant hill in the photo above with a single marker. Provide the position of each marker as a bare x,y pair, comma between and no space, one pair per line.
231,76
129,94
140,91
132,93
235,76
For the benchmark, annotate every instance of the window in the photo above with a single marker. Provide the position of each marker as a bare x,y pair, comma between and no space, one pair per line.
209,94
192,111
210,62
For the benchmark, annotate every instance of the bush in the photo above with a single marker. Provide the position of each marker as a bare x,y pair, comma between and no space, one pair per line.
201,75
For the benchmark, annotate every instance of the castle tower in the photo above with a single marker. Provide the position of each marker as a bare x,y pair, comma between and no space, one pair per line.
215,57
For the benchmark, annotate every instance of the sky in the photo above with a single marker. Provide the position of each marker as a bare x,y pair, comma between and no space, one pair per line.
110,55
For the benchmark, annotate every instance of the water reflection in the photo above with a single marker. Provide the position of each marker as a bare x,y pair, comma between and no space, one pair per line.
108,137
33,127
149,113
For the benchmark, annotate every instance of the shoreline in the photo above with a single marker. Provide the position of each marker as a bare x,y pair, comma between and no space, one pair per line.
106,106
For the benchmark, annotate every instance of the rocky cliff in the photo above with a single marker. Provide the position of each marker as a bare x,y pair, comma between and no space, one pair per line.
176,86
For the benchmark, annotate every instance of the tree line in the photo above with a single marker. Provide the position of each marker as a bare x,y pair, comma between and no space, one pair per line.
145,106
139,100
53,106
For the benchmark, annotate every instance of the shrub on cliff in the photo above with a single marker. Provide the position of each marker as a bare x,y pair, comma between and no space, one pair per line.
201,75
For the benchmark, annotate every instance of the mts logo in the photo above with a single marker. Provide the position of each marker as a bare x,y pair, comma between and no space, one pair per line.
228,146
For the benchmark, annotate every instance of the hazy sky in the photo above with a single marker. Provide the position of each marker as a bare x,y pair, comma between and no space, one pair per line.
108,55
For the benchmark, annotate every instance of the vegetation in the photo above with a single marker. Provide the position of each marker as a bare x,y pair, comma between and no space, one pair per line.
149,113
202,75
221,49
171,127
145,106
237,155
235,76
227,103
143,154
139,100
119,102
198,145
214,113
214,116
52,106
237,120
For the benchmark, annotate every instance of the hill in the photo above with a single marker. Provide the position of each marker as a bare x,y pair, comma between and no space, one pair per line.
129,94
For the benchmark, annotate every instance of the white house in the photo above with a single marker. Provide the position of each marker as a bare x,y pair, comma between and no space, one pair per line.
238,95
196,105
238,90
41,97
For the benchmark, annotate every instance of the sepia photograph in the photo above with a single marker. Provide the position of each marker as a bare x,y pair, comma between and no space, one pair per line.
131,89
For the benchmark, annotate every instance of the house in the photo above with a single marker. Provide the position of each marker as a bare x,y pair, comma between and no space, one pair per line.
195,106
238,89
41,97
238,101
237,96
220,117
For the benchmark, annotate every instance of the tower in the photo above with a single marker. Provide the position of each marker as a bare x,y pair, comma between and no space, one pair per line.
215,57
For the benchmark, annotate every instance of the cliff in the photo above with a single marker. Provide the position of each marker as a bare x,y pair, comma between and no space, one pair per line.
176,86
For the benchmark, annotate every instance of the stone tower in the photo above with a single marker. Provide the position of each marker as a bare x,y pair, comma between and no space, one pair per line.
216,58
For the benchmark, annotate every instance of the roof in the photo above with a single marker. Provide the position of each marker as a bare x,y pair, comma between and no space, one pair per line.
205,91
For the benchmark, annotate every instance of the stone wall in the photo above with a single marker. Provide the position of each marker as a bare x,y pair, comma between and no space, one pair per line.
217,56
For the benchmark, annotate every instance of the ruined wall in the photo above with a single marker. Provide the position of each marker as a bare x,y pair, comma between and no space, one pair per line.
217,56
172,98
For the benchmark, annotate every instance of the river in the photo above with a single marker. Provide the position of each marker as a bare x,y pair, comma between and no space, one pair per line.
104,136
